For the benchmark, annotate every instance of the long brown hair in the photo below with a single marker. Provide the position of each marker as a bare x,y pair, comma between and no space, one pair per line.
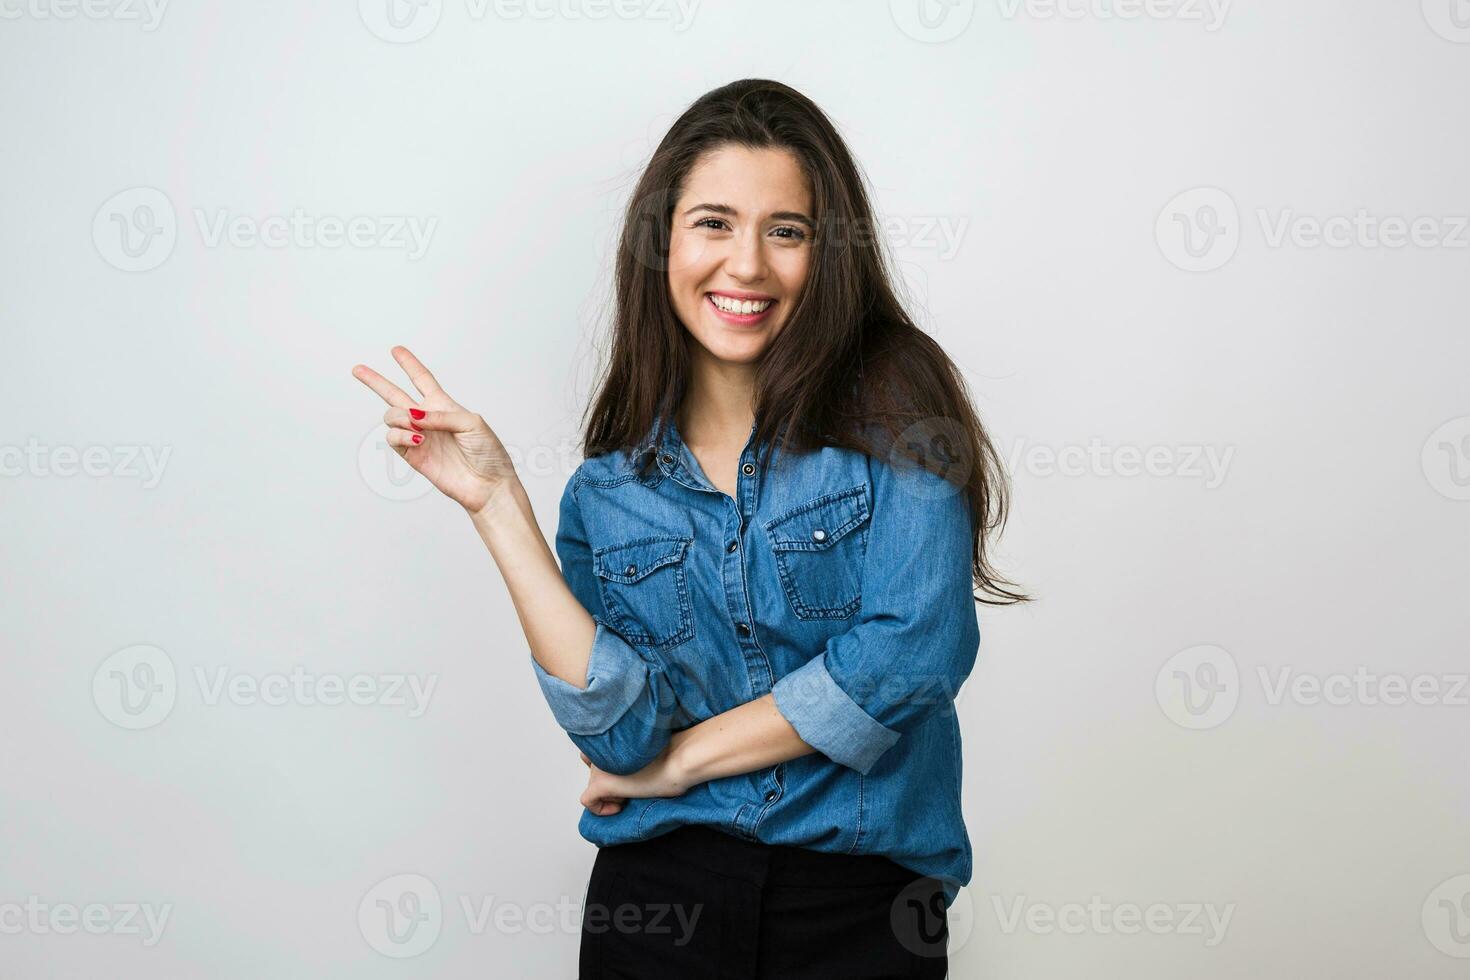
849,368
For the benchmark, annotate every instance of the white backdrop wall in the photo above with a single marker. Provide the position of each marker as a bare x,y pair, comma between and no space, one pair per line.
1203,264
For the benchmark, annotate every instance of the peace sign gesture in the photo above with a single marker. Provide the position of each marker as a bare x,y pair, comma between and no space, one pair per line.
452,447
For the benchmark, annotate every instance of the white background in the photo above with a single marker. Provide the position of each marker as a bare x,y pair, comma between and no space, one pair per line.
1054,144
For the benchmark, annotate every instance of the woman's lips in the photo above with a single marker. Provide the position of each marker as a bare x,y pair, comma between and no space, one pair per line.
739,319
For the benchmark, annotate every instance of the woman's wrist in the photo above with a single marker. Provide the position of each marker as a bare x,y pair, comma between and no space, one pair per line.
681,761
505,502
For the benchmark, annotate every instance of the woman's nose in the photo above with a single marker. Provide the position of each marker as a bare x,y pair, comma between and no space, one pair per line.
746,259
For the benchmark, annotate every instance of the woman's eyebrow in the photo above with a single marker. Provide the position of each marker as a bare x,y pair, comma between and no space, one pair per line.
796,216
725,209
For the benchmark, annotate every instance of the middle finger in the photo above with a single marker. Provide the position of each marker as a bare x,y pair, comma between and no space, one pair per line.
386,390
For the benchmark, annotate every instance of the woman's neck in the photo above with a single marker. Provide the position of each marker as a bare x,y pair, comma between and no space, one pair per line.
718,406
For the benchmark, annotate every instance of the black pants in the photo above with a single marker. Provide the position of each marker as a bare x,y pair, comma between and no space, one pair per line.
700,904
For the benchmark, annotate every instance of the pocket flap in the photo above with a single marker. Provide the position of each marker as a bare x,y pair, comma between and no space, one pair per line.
632,561
819,524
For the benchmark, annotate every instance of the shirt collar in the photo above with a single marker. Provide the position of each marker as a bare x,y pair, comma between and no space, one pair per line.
668,446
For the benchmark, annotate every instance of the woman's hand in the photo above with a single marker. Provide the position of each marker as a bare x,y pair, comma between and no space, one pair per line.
606,793
452,447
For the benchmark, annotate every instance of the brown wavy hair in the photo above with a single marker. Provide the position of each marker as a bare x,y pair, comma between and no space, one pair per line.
849,368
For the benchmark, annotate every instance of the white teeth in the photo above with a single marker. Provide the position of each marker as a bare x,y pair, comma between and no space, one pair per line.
743,307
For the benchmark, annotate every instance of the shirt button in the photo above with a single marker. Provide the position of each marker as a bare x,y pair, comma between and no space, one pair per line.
667,458
630,570
770,796
744,630
748,469
819,535
732,545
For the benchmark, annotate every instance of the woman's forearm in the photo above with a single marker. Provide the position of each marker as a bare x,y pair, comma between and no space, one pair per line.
743,739
559,630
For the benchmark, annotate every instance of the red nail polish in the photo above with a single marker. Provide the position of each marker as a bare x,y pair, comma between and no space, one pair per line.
417,413
417,439
414,427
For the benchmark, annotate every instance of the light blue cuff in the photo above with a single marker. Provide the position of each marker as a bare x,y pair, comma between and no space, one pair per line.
616,676
828,720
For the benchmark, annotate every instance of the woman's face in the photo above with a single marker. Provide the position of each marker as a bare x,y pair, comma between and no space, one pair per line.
740,246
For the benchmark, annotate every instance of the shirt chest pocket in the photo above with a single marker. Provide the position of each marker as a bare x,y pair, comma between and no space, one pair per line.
645,590
819,548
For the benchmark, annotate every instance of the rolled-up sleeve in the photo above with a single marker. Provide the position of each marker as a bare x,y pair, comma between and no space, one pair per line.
622,718
917,637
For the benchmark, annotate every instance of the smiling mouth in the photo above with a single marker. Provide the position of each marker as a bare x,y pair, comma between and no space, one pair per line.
740,311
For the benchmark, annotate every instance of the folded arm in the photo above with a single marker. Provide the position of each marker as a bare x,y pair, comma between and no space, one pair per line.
614,705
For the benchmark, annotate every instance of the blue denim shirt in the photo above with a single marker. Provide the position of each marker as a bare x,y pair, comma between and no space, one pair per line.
838,581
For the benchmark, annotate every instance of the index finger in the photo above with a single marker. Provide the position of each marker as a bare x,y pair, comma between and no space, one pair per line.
387,390
417,373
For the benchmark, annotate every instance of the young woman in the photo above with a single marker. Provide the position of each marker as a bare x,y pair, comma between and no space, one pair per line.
765,605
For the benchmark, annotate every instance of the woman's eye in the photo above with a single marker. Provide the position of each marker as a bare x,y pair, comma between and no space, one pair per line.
796,234
708,222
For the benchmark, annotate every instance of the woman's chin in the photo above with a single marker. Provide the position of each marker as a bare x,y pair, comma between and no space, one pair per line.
743,350
734,346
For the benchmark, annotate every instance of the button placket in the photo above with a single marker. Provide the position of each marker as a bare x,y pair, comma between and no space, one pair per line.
774,793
